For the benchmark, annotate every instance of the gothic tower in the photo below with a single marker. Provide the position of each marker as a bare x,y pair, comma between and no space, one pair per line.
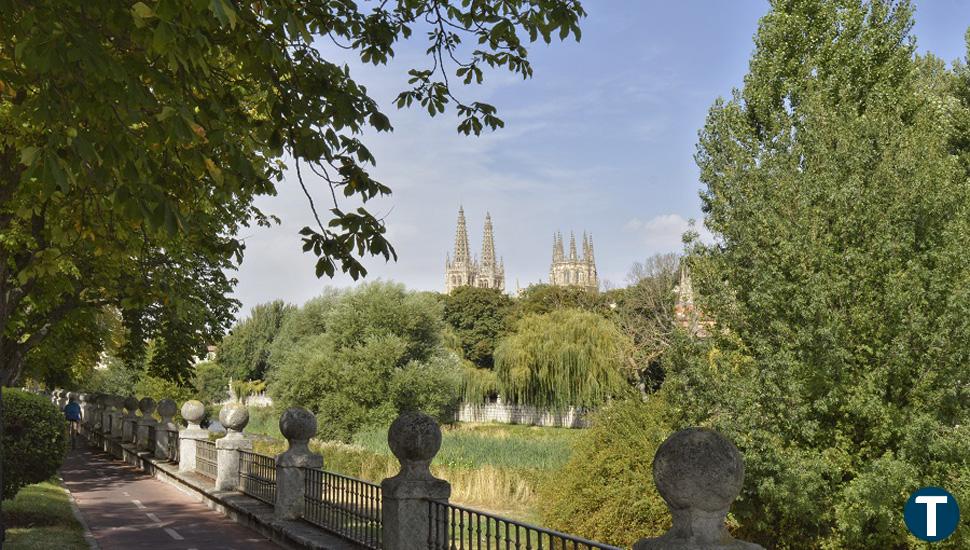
489,272
573,270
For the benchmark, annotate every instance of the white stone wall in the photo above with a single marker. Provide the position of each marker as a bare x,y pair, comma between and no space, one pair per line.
523,414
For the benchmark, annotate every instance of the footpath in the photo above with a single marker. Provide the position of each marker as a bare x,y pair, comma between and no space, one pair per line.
129,510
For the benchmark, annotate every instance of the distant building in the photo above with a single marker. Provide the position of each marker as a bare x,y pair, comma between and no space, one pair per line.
464,270
686,314
573,270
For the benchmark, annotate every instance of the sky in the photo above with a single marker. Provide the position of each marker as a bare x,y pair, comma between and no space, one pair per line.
601,140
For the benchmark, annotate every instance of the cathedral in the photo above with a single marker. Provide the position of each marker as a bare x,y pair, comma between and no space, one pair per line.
573,270
463,270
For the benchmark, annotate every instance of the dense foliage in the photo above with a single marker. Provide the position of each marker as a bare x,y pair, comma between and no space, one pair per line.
135,137
373,352
34,440
837,185
606,491
244,352
567,357
479,317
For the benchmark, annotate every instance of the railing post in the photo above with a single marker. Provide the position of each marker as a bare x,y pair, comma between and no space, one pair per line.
698,473
117,417
85,400
297,426
414,439
147,406
193,412
130,420
234,416
166,409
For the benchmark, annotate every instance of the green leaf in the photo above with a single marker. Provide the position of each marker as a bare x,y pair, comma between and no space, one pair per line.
224,12
28,155
142,11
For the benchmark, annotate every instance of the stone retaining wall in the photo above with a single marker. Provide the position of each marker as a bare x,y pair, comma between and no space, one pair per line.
523,414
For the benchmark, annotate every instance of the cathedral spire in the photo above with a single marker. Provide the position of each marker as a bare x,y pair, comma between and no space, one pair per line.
556,247
572,245
461,239
488,245
590,258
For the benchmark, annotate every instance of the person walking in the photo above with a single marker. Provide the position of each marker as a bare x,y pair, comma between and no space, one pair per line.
72,412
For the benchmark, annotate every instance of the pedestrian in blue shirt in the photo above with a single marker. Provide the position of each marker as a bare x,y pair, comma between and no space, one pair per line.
72,412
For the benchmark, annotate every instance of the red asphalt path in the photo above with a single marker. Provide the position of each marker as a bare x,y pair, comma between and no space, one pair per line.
128,510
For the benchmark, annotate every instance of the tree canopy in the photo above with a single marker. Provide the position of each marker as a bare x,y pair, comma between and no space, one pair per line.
244,352
134,139
836,184
568,357
479,317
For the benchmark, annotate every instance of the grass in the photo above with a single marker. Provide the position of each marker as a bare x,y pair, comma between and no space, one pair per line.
494,467
40,517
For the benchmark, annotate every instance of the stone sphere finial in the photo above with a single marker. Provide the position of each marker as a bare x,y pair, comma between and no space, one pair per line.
298,424
131,405
84,397
234,417
193,412
414,438
147,406
698,473
167,408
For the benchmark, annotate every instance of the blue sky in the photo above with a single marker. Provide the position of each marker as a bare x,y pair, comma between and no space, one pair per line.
600,140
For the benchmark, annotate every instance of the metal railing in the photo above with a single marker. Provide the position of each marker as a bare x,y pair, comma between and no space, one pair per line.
257,476
344,505
453,527
205,458
172,453
151,438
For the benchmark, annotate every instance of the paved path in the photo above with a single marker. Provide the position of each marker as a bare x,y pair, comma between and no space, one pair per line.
128,510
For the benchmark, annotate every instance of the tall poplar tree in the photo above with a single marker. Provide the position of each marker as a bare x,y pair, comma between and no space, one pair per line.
840,278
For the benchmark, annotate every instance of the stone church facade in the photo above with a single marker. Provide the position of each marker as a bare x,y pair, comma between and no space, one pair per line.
573,269
462,269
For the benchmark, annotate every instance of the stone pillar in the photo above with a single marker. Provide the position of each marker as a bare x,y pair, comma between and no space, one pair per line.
84,400
106,409
297,426
414,439
234,416
147,406
98,412
698,473
117,417
166,410
130,419
193,412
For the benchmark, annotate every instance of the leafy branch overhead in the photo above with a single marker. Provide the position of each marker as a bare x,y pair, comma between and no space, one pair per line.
136,137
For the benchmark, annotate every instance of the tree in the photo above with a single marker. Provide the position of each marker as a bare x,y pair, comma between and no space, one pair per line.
134,139
565,358
479,317
244,352
644,311
377,351
543,298
839,281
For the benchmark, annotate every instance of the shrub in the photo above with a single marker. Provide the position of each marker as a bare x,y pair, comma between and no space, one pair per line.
606,491
34,441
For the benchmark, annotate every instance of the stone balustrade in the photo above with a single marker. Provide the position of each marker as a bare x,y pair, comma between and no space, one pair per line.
697,472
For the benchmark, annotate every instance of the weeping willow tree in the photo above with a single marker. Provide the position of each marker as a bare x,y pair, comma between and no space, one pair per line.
566,357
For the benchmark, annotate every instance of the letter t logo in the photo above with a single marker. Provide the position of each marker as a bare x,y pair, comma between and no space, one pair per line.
931,502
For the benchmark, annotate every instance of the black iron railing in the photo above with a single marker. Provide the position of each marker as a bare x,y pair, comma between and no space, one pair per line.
343,505
151,438
453,527
205,458
172,453
257,476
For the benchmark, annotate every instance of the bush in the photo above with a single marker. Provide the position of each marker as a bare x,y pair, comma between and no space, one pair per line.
606,491
34,440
